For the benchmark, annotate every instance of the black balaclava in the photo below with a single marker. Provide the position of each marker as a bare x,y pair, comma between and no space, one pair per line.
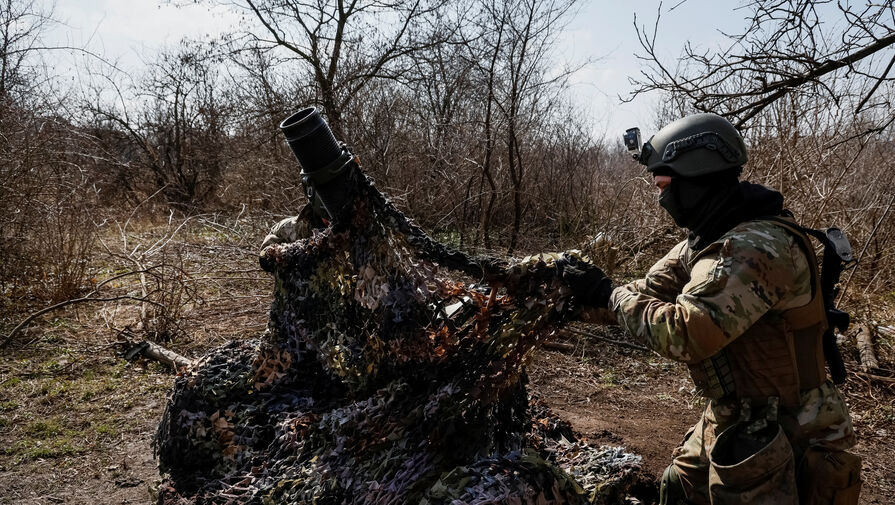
711,205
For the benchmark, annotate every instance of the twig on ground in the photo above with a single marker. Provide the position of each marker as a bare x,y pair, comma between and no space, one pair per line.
888,331
621,343
879,378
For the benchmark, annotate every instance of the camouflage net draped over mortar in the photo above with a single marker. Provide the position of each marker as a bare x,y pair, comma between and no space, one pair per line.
379,382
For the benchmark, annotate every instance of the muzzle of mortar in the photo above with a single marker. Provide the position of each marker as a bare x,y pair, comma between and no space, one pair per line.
331,179
324,161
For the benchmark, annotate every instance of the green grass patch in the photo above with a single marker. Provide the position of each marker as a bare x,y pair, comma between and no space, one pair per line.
52,390
10,383
49,438
117,370
104,430
61,404
39,449
609,378
44,429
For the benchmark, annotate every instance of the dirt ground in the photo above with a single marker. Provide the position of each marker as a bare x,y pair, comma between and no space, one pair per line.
76,423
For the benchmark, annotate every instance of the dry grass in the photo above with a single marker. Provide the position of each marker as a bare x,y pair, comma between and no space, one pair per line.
76,420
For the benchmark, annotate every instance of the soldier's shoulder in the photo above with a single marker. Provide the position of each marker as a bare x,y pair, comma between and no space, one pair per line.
762,236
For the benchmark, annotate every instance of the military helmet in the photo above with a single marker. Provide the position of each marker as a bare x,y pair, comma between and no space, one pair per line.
695,145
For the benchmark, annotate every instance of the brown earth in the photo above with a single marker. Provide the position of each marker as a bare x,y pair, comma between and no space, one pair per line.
76,427
76,421
76,424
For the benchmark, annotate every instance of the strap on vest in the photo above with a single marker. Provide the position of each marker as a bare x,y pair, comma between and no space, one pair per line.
837,257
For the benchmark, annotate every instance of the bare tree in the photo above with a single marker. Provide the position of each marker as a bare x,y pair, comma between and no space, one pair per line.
493,43
45,235
22,27
344,44
531,28
176,119
837,52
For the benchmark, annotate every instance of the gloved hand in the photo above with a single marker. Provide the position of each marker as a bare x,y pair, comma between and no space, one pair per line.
589,284
289,230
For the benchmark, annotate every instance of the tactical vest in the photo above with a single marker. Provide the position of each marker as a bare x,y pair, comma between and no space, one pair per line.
779,356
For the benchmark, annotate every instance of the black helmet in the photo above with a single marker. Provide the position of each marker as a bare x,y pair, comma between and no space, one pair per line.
695,145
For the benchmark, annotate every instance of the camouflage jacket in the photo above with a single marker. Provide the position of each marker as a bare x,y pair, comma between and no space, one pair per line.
692,304
689,305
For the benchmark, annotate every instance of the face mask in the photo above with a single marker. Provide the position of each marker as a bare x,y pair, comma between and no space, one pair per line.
683,201
668,200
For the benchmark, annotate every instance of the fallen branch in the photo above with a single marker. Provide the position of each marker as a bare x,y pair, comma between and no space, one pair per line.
621,343
155,352
864,338
880,378
15,331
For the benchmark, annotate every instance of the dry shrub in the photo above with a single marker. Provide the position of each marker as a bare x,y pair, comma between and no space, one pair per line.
45,212
832,174
170,294
158,291
62,242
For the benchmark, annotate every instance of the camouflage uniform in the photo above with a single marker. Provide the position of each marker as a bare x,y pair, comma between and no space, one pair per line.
691,305
287,231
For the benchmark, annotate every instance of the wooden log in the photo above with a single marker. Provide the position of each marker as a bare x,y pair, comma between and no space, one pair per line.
864,338
153,351
162,355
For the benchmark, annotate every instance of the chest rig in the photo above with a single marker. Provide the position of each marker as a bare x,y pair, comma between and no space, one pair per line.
779,356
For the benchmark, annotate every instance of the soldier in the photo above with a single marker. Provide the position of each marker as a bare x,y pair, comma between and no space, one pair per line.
739,302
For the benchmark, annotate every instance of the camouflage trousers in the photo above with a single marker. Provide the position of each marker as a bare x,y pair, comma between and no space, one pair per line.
767,456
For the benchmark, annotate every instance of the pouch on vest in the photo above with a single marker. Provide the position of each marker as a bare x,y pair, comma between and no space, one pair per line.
755,468
829,478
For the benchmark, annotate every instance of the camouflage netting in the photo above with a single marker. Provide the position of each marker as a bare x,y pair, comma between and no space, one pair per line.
379,381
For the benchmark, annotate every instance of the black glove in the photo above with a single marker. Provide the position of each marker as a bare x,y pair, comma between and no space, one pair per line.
589,284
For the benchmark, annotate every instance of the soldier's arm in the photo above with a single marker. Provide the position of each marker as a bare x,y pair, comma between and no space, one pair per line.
292,228
287,231
667,278
731,286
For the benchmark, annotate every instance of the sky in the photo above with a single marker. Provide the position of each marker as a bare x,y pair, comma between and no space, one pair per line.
601,33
